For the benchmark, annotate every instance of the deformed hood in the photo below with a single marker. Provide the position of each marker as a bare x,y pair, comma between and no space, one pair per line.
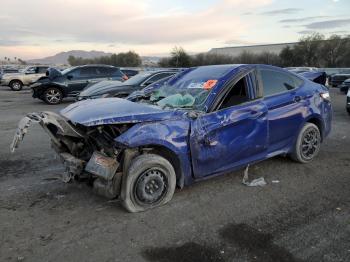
114,110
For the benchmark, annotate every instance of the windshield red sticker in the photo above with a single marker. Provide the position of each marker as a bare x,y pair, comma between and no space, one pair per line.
210,84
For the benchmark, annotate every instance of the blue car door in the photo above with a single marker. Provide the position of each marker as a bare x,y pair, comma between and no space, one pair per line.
233,134
286,103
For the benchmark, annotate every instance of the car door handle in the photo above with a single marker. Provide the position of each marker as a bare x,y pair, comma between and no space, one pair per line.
297,99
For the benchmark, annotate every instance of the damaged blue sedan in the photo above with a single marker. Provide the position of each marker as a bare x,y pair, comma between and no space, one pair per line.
203,122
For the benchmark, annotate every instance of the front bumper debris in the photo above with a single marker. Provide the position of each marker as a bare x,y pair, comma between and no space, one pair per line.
22,129
45,119
66,138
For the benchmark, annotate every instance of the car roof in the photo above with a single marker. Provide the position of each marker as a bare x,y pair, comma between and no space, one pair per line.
96,65
341,75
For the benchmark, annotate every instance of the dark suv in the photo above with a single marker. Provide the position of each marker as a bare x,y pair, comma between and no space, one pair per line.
338,79
56,85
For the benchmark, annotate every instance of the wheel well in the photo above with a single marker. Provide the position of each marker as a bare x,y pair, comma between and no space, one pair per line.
15,80
168,155
318,123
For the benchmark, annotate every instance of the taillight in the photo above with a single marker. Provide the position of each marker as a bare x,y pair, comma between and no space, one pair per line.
325,96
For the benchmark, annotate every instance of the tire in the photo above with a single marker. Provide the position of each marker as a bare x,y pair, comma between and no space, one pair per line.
52,96
308,144
16,85
146,173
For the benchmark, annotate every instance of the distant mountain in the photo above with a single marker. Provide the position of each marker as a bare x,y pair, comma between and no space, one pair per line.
61,58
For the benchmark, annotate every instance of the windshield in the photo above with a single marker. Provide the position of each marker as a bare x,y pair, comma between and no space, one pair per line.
66,71
188,89
137,79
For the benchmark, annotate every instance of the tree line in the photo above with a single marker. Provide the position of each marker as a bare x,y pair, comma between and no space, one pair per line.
314,50
128,59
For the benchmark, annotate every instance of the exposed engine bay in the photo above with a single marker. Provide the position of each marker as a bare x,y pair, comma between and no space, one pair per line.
86,152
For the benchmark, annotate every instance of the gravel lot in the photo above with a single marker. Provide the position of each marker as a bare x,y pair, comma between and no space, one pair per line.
304,217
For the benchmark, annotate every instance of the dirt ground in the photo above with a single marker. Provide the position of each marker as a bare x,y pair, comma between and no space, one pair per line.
304,217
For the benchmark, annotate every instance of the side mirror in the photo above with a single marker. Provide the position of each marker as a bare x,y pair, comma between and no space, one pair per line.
69,77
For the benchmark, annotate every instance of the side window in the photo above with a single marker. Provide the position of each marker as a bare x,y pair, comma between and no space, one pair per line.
298,81
237,94
88,72
110,71
275,82
31,70
42,70
116,72
103,71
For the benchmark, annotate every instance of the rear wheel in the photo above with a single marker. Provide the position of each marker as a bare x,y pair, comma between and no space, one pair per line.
149,182
53,96
308,144
16,85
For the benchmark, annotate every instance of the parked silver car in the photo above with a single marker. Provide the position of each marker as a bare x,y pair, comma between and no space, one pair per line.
16,81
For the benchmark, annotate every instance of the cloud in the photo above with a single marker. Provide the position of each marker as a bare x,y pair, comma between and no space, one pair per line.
127,24
120,21
307,32
302,19
285,11
9,42
330,24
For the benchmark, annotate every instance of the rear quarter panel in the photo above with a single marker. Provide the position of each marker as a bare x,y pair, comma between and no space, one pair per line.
316,107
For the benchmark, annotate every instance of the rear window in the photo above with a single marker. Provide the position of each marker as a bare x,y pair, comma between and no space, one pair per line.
108,71
42,70
88,71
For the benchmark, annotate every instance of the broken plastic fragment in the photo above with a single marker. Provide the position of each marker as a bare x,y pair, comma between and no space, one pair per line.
210,84
256,182
22,129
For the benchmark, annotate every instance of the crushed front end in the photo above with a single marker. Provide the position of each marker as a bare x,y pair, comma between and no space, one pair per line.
88,153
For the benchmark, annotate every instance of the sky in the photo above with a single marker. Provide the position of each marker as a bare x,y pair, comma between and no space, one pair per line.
40,28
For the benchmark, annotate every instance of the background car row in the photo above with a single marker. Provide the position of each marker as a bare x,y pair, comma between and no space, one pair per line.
94,81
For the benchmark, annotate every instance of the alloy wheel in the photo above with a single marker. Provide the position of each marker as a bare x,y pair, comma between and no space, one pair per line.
16,86
310,143
53,96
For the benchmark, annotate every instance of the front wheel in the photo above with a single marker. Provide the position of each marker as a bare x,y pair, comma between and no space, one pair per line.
149,182
308,144
53,96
